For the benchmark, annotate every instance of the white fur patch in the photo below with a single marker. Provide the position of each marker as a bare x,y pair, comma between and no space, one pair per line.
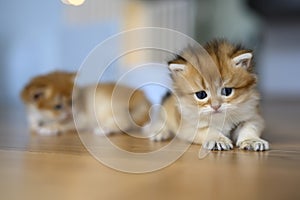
239,60
177,67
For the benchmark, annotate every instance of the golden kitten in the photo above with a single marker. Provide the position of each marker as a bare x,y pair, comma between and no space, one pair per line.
212,104
48,99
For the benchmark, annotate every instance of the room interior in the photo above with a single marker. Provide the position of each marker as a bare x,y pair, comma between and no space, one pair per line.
41,36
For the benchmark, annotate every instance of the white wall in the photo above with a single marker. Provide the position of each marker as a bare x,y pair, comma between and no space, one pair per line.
36,37
279,60
29,34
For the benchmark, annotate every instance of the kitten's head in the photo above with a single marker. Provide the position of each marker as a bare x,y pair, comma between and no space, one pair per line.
214,79
50,94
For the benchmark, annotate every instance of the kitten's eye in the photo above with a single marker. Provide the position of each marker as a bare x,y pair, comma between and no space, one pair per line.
226,91
58,107
37,96
201,95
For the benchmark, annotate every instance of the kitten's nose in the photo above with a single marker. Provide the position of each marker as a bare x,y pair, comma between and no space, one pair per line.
215,107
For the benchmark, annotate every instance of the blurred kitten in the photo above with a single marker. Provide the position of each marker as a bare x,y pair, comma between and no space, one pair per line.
211,104
48,99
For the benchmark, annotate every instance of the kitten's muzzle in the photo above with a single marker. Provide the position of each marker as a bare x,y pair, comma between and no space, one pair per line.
216,107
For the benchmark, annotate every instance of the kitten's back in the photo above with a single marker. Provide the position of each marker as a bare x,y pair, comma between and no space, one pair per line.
114,107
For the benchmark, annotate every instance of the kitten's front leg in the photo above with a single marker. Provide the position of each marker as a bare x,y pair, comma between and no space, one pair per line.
212,139
248,135
39,125
48,129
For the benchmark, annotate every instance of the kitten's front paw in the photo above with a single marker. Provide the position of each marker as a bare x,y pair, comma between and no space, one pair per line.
47,131
221,143
255,144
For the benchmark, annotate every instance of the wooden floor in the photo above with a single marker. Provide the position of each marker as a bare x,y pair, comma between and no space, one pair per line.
59,167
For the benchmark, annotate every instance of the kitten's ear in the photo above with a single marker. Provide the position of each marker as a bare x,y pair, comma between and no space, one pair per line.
176,67
243,60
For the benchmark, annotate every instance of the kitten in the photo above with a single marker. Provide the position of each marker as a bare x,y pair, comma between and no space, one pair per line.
48,99
209,105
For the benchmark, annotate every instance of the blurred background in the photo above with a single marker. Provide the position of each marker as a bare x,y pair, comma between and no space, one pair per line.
39,36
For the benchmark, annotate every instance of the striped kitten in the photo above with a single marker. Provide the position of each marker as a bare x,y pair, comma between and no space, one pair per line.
215,99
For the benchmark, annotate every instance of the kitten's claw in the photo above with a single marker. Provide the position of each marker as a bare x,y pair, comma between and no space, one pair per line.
256,144
220,145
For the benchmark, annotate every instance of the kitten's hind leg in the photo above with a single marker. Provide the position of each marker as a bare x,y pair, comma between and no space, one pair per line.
158,128
162,136
163,122
248,136
158,131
